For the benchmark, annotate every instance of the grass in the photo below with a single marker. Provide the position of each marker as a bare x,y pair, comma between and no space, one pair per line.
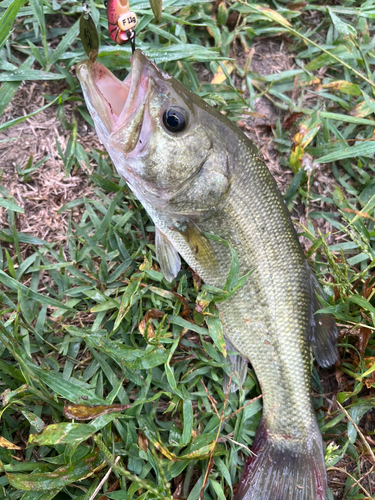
93,322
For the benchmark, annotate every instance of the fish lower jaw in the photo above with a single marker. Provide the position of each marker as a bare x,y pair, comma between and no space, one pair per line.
125,139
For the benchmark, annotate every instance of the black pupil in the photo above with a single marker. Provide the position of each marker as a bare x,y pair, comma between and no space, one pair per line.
174,120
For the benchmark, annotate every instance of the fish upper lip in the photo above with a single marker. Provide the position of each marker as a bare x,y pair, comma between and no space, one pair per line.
139,84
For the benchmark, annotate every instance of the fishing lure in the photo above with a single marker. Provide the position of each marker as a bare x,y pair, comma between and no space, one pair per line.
121,24
121,21
89,34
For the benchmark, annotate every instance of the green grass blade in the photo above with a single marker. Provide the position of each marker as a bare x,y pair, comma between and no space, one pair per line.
11,205
64,433
43,299
156,6
7,20
16,121
66,42
347,118
60,477
8,89
38,11
366,148
28,74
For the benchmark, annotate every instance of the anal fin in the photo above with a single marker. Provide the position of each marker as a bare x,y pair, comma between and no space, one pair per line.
323,331
167,255
238,367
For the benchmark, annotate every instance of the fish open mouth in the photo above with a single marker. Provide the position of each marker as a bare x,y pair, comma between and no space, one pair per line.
114,103
114,92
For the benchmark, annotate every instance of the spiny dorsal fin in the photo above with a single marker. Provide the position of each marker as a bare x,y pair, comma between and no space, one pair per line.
322,332
168,258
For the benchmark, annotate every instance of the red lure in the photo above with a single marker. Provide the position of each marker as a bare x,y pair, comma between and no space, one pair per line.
120,21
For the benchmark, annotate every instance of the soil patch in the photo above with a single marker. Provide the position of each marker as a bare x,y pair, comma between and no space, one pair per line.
49,187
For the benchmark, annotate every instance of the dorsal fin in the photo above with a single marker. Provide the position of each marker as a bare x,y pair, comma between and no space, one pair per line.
167,255
322,331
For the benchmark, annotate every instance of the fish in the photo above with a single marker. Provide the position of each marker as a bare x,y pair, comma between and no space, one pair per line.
197,174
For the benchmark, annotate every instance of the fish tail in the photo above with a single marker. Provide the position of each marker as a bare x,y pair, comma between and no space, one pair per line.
278,472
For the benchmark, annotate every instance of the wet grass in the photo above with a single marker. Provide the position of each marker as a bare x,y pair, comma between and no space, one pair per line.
93,321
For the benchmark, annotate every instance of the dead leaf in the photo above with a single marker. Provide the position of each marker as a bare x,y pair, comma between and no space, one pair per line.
296,6
186,312
363,338
344,87
369,381
4,443
178,484
142,441
290,120
89,412
151,314
110,489
363,109
307,131
275,16
219,76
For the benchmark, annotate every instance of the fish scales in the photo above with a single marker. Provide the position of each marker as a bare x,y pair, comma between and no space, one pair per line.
273,305
196,173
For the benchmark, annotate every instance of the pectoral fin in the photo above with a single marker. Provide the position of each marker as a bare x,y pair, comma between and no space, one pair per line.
322,332
168,258
198,243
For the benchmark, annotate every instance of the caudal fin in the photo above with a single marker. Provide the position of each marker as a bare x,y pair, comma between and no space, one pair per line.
281,473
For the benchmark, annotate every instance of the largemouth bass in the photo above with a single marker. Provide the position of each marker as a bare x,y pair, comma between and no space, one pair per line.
195,172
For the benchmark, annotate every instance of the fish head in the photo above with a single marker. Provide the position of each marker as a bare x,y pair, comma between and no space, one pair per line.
158,134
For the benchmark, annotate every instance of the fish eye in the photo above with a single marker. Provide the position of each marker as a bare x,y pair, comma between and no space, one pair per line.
174,120
105,3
